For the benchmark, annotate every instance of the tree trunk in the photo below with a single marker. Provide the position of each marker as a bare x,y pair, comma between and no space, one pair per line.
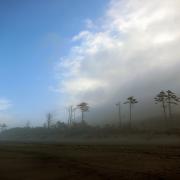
74,114
130,115
119,116
170,110
164,110
165,115
82,116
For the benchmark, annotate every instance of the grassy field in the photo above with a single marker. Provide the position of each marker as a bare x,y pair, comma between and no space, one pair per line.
35,161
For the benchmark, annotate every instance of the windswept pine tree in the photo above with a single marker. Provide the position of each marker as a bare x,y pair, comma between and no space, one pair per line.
171,99
84,107
131,101
161,98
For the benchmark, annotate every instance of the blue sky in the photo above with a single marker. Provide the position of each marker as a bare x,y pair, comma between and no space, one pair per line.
56,53
33,36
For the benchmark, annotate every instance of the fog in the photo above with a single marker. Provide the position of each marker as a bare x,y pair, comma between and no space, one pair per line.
132,50
90,89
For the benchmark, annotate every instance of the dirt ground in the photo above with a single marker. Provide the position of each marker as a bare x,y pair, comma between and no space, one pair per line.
25,161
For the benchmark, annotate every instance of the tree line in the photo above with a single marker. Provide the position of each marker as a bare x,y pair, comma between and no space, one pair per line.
166,98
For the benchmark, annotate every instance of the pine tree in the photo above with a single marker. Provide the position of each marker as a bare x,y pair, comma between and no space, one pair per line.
131,101
161,98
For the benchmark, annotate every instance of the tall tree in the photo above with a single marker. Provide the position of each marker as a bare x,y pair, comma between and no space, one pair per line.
161,98
84,107
131,101
49,119
119,113
74,113
70,115
171,99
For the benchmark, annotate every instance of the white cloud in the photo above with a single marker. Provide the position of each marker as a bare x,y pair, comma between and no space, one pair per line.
90,24
4,104
137,44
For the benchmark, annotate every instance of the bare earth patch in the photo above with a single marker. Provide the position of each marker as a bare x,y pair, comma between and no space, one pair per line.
22,161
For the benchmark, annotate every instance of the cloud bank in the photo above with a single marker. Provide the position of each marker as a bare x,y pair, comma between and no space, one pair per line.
134,49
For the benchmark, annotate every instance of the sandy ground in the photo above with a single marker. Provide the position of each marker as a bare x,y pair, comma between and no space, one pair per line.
25,161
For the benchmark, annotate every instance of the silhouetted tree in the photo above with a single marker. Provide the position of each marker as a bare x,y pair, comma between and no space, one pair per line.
60,125
49,120
119,113
131,101
84,107
161,98
3,126
70,115
74,113
27,124
171,99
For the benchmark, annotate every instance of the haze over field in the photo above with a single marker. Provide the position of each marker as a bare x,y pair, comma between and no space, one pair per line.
57,54
89,89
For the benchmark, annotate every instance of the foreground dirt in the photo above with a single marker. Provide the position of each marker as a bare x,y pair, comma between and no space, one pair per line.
91,162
